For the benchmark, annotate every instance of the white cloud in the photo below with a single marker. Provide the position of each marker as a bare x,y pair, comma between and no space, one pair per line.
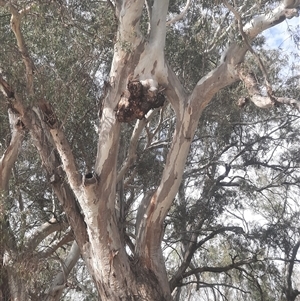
280,36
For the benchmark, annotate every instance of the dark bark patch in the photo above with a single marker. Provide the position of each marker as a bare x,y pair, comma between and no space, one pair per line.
90,179
20,125
154,67
49,115
136,101
279,20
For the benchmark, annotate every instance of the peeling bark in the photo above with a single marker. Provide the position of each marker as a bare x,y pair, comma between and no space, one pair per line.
140,80
7,162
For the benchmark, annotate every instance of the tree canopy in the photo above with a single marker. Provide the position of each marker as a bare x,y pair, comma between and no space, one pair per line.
137,162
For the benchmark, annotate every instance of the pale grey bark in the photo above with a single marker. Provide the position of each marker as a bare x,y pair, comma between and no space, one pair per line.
10,155
98,236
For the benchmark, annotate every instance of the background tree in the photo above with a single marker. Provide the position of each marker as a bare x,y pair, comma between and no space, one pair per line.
115,168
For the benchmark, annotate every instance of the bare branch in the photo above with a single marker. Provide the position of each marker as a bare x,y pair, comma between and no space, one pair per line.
49,250
181,15
218,36
290,292
175,92
129,29
60,281
40,138
201,284
220,269
255,93
189,253
6,88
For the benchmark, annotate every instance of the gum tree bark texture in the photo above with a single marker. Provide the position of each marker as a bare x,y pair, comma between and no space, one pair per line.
140,80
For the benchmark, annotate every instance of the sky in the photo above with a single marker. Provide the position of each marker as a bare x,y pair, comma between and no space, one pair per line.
280,36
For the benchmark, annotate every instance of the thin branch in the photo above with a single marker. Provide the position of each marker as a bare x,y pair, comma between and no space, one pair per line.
291,293
220,269
131,155
193,246
205,284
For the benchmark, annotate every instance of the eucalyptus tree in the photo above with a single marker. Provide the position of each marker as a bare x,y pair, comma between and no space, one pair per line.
116,208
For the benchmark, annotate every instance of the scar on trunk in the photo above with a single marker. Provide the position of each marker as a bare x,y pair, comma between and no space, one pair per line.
137,101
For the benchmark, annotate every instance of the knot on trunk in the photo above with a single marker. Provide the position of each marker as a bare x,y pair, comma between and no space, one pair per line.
138,100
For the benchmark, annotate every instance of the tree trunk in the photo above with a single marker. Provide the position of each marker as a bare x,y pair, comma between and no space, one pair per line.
139,74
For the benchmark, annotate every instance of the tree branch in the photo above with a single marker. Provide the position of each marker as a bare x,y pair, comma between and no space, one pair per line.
245,39
60,281
259,100
42,232
11,153
189,253
62,146
220,269
49,250
181,15
262,22
130,15
290,292
138,128
158,23
41,140
16,28
175,93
